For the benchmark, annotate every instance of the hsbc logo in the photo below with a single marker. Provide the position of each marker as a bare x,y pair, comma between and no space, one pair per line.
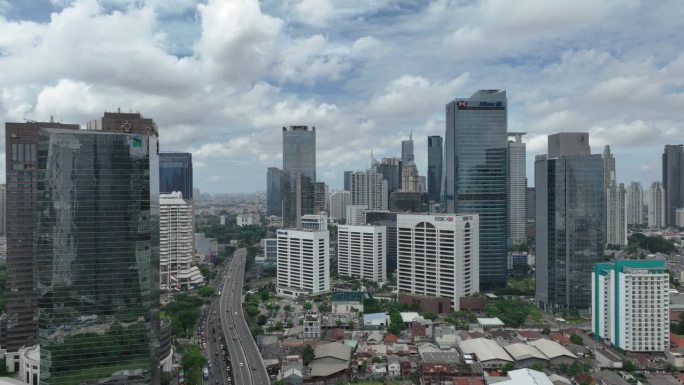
467,217
462,104
444,219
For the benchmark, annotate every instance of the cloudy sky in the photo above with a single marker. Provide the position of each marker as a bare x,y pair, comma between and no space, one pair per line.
221,77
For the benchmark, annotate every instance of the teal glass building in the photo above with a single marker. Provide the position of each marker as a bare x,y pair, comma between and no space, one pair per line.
97,257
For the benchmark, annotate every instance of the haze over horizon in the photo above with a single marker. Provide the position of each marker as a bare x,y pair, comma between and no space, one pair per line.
221,78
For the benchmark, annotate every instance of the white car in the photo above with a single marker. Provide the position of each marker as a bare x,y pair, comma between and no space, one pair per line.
241,365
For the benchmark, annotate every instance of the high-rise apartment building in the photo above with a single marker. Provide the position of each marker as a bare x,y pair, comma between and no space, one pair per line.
299,168
517,189
176,232
616,196
531,197
391,171
97,253
321,202
303,266
437,255
362,252
410,179
570,223
656,206
631,304
18,326
635,204
435,168
370,189
475,147
356,214
316,222
175,173
673,181
339,200
274,191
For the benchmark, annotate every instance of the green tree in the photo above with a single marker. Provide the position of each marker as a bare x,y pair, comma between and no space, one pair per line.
429,315
507,368
264,295
261,320
165,378
193,361
321,307
205,291
287,308
307,306
538,366
577,340
546,330
308,354
629,366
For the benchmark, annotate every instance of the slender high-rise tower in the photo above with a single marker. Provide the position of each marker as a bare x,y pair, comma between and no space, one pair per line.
570,221
19,326
274,191
475,148
616,223
635,204
517,190
673,181
656,206
299,168
435,168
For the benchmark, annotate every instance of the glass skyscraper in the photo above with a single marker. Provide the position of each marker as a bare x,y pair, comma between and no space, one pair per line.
274,191
475,147
97,256
435,166
673,181
299,168
175,173
570,221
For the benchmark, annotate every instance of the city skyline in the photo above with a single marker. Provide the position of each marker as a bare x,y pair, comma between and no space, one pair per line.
298,70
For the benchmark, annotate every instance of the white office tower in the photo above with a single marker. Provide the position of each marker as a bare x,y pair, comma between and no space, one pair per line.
370,189
356,214
631,306
362,252
635,204
315,222
656,206
438,255
517,190
175,244
339,200
303,262
616,221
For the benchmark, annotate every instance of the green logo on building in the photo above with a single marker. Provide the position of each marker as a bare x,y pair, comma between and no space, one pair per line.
137,141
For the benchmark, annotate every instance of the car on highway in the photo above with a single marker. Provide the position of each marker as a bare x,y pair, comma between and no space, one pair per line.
253,367
241,365
235,313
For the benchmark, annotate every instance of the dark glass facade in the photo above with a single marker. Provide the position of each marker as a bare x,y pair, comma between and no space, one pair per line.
570,224
299,168
97,255
475,147
274,191
435,167
175,173
673,181
19,326
391,169
389,220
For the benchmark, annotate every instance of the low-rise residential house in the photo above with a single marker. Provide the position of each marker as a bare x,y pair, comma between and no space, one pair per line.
529,335
555,352
675,357
607,359
607,377
393,366
375,337
526,355
445,336
379,369
346,302
331,361
490,323
442,357
375,321
526,377
490,354
312,326
436,373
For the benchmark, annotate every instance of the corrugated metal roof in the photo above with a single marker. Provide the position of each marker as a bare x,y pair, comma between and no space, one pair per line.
552,349
484,349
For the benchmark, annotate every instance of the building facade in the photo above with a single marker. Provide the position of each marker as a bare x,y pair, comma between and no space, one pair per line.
391,171
631,304
475,147
98,260
274,191
317,222
3,215
303,266
339,201
517,189
635,204
299,168
673,181
362,252
176,233
437,255
321,203
570,223
389,221
18,326
175,173
616,196
356,214
656,206
370,189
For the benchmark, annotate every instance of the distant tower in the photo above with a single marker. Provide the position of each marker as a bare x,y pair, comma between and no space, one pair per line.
673,181
616,223
517,190
656,206
475,147
435,168
299,168
635,204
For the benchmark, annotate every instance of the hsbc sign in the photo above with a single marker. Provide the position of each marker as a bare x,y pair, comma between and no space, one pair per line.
444,219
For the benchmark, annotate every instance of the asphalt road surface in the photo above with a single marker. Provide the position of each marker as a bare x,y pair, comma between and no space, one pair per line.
248,368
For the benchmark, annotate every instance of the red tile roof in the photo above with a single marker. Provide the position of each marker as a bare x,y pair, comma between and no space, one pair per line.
560,338
391,338
677,340
468,381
